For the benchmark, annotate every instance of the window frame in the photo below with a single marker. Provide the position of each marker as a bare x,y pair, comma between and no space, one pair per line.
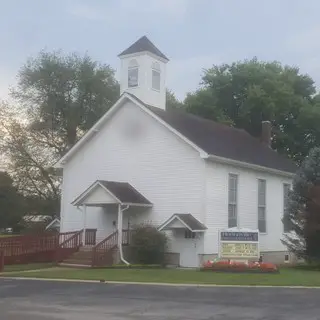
188,234
155,68
233,204
133,66
262,205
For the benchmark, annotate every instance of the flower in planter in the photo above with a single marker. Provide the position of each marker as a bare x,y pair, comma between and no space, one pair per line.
238,265
268,266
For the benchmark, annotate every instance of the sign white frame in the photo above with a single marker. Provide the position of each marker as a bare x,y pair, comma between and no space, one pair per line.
238,230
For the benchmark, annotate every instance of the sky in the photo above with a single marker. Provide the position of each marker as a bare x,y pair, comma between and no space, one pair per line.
194,34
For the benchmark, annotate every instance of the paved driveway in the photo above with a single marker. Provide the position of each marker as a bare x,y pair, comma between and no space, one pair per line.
45,300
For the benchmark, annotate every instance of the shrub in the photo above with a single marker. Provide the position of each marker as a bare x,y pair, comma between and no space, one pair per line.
148,245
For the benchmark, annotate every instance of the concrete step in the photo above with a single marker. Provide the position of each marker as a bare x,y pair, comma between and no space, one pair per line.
72,265
83,254
78,261
86,248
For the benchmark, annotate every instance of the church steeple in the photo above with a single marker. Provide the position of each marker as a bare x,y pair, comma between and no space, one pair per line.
143,72
141,45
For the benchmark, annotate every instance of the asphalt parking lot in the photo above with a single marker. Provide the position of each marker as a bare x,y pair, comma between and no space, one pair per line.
45,300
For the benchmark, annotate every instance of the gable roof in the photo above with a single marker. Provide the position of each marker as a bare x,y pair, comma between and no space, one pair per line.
121,192
224,141
187,220
211,139
125,192
143,44
220,140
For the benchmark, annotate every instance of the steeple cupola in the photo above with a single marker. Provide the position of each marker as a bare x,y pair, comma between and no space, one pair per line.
143,72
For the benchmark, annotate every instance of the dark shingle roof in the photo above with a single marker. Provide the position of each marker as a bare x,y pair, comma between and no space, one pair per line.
125,192
188,219
222,140
191,221
143,44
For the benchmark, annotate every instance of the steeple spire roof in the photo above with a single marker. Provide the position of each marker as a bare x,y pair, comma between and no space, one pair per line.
143,44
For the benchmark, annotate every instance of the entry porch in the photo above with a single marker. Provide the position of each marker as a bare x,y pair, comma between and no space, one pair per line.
108,207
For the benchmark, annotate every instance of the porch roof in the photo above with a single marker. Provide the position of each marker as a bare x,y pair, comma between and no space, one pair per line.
111,192
183,220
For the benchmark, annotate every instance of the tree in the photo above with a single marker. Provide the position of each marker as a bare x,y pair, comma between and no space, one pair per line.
64,95
204,104
245,93
29,164
11,203
57,99
171,101
304,210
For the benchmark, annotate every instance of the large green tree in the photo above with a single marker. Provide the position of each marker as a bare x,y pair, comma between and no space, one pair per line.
64,95
29,162
58,97
11,203
303,216
244,93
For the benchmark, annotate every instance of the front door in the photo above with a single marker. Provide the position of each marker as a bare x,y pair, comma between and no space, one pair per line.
189,248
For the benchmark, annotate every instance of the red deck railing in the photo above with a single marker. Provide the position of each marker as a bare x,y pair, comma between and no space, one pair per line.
29,248
102,253
1,261
50,247
71,244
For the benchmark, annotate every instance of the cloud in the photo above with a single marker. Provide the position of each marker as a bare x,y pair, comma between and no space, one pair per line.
305,41
176,8
86,11
114,12
304,48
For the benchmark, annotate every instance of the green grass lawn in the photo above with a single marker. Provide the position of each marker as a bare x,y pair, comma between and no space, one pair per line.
286,277
27,267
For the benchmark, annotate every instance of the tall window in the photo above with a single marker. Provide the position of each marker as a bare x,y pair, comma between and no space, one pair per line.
133,74
156,76
232,203
286,222
262,223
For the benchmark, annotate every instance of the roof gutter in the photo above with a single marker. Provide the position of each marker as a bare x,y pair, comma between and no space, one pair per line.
251,166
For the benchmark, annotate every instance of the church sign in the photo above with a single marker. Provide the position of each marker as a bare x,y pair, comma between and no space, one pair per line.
235,243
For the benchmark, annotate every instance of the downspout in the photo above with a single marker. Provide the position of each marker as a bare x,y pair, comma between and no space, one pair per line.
120,216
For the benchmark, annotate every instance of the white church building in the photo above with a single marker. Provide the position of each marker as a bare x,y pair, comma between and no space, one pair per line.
189,176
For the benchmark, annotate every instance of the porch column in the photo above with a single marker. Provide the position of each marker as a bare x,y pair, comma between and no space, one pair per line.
84,223
120,227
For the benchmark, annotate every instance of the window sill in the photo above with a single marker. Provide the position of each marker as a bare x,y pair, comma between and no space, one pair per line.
155,90
263,233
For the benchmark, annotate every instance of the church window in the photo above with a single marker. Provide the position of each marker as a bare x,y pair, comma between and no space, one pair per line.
156,76
133,74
